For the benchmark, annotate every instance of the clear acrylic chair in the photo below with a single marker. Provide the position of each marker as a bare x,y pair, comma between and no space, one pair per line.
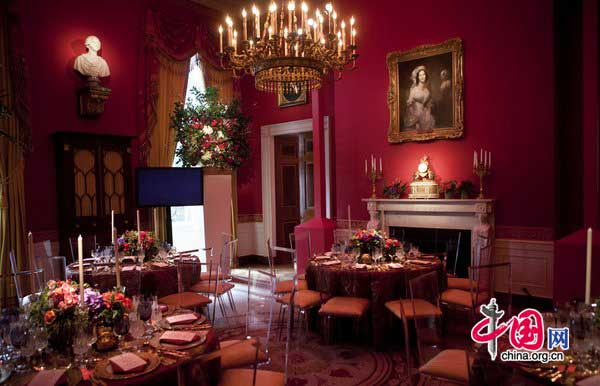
481,252
23,281
185,298
283,286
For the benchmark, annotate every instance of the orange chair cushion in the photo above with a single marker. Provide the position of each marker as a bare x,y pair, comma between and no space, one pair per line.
345,307
286,286
237,353
185,300
422,308
461,283
244,377
303,298
204,287
213,276
463,298
448,364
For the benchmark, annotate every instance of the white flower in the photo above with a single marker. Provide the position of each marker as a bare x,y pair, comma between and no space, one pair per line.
206,156
207,130
220,134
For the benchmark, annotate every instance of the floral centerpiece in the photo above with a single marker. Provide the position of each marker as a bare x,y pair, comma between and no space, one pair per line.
395,190
128,244
211,133
450,189
57,309
391,245
465,188
114,305
366,240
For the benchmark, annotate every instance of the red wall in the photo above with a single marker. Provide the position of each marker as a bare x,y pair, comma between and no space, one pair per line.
54,34
509,91
263,109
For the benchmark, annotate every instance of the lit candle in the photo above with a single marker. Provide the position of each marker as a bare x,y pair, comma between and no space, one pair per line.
354,40
229,23
481,155
235,41
365,166
80,257
343,25
352,21
349,219
310,25
256,14
304,8
273,9
244,14
321,27
138,227
334,15
31,261
474,159
112,226
291,8
285,45
380,165
270,31
339,43
490,161
117,261
328,8
588,266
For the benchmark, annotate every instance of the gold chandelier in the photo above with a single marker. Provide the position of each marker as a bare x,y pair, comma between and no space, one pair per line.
285,54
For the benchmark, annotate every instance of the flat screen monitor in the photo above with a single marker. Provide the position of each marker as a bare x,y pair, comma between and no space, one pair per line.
156,187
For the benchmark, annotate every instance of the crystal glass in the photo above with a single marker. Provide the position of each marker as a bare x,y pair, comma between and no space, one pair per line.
41,342
377,255
18,339
81,345
136,328
156,316
122,326
28,347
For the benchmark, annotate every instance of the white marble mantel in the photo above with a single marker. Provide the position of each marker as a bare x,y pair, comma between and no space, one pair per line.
474,215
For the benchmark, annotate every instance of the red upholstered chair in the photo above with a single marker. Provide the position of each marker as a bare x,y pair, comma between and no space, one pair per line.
283,286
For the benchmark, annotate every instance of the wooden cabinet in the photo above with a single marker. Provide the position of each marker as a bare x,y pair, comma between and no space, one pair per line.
93,177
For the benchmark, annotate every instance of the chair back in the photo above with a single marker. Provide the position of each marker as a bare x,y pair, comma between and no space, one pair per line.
57,268
482,251
482,258
484,279
272,251
189,264
89,244
289,341
424,287
259,314
22,280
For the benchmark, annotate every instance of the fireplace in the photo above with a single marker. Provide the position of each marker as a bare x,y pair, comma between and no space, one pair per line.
456,244
435,222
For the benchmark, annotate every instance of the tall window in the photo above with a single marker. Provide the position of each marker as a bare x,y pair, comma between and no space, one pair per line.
187,222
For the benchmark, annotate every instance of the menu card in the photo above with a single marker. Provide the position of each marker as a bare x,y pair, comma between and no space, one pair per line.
179,337
181,319
160,265
333,262
47,377
127,363
395,265
130,268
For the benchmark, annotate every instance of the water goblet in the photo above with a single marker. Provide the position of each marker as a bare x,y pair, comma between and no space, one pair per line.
28,347
80,346
122,326
41,342
136,328
18,339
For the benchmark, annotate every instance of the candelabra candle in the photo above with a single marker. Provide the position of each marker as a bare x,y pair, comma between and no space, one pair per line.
304,12
221,39
256,14
328,8
343,25
334,16
374,175
481,168
291,8
245,24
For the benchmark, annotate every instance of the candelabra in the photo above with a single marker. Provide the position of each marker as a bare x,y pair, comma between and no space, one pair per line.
481,168
374,175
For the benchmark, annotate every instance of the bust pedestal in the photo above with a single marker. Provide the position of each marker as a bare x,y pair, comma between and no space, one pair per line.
91,100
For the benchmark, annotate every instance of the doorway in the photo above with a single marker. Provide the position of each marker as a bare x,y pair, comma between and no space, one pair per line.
294,191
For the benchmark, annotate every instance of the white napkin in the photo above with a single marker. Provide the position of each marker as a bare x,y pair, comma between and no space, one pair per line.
322,258
328,253
395,265
359,266
332,262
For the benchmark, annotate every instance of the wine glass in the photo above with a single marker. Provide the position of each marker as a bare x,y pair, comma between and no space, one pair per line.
377,255
18,339
41,342
28,348
122,326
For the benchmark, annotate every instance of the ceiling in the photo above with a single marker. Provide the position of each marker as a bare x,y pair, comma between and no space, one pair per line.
225,6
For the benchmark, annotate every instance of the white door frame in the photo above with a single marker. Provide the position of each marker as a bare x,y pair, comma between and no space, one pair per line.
267,154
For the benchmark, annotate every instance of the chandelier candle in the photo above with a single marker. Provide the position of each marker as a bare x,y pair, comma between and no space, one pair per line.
289,54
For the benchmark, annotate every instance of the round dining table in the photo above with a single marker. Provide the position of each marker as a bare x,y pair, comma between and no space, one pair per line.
378,283
159,280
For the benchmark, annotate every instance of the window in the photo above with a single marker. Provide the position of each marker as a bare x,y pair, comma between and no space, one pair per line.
187,222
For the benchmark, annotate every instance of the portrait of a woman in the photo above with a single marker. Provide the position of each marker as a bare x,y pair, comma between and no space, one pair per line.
418,105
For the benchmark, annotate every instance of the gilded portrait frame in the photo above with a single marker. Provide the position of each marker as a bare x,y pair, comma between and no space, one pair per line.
398,134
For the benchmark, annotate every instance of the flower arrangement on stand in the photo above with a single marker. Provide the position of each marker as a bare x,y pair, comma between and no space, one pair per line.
366,241
211,133
391,245
128,244
395,190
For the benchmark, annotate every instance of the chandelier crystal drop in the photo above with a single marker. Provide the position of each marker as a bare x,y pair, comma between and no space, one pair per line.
287,49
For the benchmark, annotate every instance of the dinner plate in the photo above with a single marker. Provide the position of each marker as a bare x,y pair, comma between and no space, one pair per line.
4,374
164,324
104,369
156,343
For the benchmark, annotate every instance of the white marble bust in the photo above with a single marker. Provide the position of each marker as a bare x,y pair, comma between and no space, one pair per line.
90,63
